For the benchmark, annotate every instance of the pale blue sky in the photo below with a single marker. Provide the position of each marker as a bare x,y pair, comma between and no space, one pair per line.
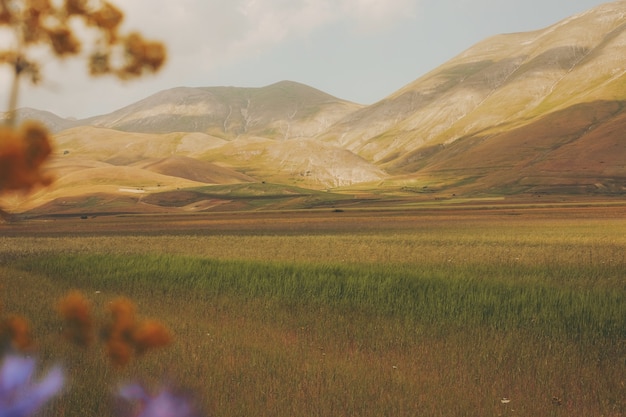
358,50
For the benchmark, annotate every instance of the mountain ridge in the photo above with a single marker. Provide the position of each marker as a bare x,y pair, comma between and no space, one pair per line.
492,83
283,110
528,112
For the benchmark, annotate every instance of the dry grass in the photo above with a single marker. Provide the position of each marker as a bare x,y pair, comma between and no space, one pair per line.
251,349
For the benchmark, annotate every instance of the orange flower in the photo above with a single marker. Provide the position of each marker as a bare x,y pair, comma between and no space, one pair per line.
22,154
39,6
117,334
6,15
150,334
15,331
123,316
108,17
141,55
63,41
78,7
37,143
119,351
76,311
124,336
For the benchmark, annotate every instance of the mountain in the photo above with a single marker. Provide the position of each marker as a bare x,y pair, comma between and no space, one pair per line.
52,122
194,137
516,114
92,161
491,109
101,170
304,162
285,110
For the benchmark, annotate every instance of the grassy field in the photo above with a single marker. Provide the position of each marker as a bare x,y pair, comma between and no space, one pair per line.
442,313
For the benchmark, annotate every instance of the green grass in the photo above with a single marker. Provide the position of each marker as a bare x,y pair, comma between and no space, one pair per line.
444,319
496,297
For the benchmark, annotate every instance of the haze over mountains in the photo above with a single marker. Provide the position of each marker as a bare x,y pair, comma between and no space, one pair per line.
535,112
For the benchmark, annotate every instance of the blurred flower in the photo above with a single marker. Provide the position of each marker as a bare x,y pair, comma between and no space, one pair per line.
141,56
22,154
19,396
76,311
76,7
118,333
150,334
124,336
165,404
108,18
48,24
15,333
63,41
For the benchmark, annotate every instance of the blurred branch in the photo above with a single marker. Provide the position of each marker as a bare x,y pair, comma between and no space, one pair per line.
37,24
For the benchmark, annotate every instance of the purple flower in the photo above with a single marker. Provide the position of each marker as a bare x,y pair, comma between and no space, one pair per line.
165,404
19,395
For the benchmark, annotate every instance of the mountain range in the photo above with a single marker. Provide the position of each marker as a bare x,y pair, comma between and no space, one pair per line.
532,113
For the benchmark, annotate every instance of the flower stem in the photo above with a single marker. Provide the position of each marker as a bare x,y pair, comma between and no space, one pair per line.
12,107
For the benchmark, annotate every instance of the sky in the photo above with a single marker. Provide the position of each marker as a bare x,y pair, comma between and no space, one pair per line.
357,50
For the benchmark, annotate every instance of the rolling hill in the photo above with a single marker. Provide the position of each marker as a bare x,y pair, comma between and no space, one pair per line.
516,114
285,110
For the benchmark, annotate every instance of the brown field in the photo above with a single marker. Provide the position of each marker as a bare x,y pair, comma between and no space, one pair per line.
405,216
333,350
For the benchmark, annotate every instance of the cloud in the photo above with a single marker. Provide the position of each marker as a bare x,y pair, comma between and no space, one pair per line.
206,37
378,14
227,31
267,23
217,33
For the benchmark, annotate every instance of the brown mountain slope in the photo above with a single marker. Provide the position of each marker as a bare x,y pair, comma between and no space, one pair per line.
194,170
111,168
500,84
117,165
575,150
